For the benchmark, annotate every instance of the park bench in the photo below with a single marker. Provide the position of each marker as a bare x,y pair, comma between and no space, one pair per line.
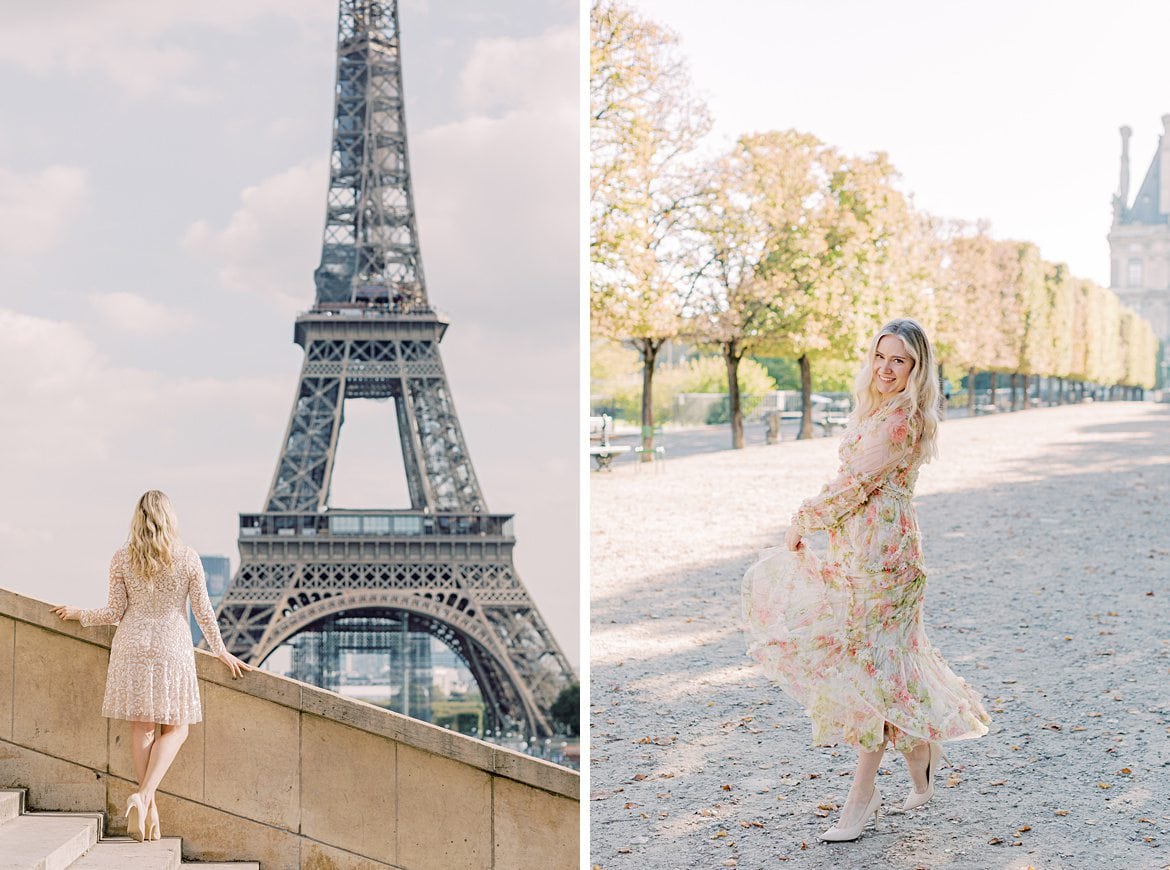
600,449
832,421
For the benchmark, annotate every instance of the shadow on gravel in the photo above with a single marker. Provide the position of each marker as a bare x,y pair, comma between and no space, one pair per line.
1053,604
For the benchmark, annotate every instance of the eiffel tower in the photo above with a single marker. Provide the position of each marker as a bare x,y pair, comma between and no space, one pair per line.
329,581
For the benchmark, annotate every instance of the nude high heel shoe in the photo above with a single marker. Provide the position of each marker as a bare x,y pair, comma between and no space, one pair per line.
135,817
152,830
918,798
837,834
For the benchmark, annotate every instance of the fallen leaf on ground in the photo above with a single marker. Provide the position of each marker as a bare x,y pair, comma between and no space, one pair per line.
953,779
638,777
1104,785
725,787
998,782
995,841
1023,828
1125,770
629,805
1060,813
719,834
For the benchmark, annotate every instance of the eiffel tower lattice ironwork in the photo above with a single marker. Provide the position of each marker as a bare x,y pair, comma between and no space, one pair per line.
357,577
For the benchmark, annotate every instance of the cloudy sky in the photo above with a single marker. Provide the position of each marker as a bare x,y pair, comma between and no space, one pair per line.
162,189
990,109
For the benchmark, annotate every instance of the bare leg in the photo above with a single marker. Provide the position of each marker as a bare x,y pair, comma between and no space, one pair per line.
165,748
916,760
141,740
862,788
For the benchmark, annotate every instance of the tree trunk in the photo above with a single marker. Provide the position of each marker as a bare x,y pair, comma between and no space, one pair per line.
732,354
1015,396
942,411
970,392
1060,391
1025,378
649,348
994,384
806,424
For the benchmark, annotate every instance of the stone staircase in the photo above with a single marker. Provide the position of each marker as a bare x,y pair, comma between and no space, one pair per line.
53,841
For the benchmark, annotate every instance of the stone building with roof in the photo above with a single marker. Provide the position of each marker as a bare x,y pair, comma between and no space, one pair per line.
1139,239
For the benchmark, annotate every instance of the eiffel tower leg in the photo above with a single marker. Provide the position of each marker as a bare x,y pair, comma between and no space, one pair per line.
301,483
303,473
448,467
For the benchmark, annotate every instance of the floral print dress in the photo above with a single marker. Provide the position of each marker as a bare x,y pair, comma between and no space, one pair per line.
151,677
844,634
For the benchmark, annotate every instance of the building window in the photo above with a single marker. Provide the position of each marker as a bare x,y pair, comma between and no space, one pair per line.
1134,273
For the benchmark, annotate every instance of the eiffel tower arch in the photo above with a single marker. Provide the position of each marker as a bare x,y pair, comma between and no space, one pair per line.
327,581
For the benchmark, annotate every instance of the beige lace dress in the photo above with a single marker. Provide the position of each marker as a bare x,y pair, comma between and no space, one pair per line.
151,677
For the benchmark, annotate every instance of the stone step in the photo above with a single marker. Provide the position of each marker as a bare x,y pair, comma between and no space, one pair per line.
126,853
54,841
47,841
11,803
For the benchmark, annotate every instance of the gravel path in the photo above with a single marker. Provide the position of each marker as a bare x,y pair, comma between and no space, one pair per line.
1047,538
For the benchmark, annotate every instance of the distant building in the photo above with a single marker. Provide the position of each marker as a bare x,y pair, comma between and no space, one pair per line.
1139,239
218,570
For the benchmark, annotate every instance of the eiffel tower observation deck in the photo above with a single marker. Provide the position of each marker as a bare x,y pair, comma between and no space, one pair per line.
387,596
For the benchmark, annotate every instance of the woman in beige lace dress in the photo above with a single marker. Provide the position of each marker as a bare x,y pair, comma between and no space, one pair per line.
151,680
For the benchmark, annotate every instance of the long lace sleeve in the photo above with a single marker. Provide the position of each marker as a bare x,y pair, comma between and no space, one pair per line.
882,449
201,603
116,601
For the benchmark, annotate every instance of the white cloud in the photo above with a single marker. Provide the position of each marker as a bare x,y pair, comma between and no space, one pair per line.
83,437
272,242
36,208
500,187
138,44
504,73
129,312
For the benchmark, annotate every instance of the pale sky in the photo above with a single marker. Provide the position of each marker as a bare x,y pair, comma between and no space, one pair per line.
163,169
1001,110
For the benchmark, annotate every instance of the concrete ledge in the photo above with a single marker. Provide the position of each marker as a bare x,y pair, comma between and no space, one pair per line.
279,771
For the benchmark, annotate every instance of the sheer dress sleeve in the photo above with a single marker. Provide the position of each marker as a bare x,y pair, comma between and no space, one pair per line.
116,602
201,604
883,448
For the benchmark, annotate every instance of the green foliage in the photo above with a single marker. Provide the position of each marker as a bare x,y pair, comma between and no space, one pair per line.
566,710
704,374
829,375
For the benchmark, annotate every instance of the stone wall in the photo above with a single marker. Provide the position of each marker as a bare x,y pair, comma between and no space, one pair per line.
278,771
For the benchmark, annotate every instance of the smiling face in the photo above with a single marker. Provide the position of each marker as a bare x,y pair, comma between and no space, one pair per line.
891,365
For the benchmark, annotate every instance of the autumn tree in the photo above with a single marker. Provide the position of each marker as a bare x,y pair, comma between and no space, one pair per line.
804,251
644,124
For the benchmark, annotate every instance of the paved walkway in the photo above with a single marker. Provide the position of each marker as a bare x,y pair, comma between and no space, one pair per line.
1047,535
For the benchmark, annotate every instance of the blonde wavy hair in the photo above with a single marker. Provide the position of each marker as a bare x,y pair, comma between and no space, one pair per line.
922,395
154,535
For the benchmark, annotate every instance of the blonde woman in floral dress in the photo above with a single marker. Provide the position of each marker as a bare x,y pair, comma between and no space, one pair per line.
844,634
151,678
